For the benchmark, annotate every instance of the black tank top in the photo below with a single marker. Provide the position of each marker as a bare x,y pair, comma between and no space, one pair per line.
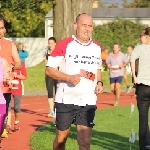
47,54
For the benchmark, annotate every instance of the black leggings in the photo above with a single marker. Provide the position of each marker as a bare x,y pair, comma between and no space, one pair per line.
143,103
7,97
50,83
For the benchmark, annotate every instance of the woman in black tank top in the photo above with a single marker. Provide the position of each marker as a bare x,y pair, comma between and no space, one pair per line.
51,84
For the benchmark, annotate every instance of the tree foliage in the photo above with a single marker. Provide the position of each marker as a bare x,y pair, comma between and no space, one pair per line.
119,31
137,4
25,18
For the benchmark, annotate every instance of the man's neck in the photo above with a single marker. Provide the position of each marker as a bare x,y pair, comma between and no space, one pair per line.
82,41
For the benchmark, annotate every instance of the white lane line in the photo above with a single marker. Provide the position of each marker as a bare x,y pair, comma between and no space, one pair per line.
34,104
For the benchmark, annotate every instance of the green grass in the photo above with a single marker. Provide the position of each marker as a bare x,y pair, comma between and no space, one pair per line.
111,132
36,79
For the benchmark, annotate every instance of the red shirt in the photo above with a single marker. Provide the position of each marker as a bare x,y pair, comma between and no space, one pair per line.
18,87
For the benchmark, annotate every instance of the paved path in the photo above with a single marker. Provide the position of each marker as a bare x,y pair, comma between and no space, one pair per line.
34,114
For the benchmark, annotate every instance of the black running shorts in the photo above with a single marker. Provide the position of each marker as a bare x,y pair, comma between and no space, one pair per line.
66,114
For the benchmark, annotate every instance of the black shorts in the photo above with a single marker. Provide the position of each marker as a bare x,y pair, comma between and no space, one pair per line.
66,114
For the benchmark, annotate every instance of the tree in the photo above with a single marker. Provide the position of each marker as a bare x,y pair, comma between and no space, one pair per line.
137,4
25,18
124,32
64,14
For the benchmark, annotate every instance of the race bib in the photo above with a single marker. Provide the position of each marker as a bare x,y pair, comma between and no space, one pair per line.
87,74
115,68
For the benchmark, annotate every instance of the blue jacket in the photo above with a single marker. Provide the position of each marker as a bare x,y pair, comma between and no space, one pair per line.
23,54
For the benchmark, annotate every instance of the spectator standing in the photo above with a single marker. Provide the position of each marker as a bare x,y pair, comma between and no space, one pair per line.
51,84
23,53
142,81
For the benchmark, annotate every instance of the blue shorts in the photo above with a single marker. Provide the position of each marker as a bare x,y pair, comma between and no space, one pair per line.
116,79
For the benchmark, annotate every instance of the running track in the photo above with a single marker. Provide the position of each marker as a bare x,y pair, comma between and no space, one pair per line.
34,114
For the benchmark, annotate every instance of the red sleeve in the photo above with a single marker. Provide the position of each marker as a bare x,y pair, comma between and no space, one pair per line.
23,70
60,49
97,43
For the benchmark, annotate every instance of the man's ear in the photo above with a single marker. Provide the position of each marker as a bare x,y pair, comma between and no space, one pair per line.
4,30
75,26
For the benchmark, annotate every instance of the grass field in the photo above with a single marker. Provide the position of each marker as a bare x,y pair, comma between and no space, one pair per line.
111,132
36,79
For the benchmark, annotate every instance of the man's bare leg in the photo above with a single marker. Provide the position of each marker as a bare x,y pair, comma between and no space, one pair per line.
117,91
125,78
113,88
60,139
84,137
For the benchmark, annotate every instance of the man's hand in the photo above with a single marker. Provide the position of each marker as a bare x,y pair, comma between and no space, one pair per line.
120,67
108,66
74,79
135,79
98,89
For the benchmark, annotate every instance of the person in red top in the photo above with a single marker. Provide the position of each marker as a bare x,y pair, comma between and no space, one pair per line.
17,92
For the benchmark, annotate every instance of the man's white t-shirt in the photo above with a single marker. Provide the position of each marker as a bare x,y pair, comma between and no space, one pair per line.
74,57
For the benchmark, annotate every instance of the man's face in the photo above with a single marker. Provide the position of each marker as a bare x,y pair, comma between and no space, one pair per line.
116,48
2,29
84,28
129,50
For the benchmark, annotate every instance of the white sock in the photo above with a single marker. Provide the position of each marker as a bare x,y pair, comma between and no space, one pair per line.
16,122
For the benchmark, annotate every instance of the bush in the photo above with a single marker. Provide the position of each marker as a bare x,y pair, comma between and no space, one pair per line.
124,32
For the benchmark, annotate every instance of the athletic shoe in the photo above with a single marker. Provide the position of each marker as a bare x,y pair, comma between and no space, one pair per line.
116,103
51,114
8,129
128,89
16,127
4,134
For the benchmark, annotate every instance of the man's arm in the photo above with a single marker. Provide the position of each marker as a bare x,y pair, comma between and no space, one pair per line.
58,75
17,61
124,65
99,87
99,75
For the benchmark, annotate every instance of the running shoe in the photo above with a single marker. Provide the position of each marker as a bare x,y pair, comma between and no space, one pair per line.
51,114
16,127
8,129
116,103
128,89
4,134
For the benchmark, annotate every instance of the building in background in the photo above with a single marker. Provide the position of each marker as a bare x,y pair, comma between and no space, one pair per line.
105,15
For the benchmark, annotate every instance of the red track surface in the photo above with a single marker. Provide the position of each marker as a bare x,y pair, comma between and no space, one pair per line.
34,114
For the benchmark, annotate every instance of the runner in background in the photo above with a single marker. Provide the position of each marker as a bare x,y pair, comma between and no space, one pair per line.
116,61
128,68
104,56
17,93
9,52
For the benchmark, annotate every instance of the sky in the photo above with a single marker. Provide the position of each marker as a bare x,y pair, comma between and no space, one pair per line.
109,2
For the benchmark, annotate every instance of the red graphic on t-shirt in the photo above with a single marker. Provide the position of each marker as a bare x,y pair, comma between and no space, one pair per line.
87,74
